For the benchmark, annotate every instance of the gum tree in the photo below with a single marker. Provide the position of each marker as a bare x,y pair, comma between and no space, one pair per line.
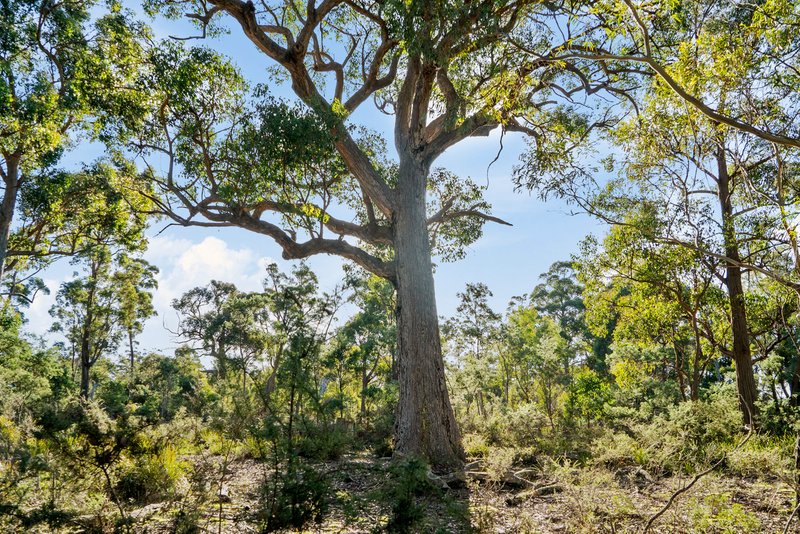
446,71
709,142
64,69
675,42
111,297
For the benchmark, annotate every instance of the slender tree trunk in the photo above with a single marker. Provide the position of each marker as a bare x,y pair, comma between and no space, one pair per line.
547,395
364,385
699,357
85,368
7,208
425,424
775,399
74,358
86,342
506,383
679,370
742,358
132,352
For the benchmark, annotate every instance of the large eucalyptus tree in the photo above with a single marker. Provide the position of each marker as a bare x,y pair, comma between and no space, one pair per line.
445,70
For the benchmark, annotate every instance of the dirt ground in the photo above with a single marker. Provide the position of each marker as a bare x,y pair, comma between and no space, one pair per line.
577,500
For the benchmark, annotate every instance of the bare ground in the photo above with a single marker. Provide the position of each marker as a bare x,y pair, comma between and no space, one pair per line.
584,500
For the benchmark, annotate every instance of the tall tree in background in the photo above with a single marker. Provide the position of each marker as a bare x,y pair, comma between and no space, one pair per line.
369,338
134,280
470,333
703,177
660,295
560,297
537,355
202,321
707,171
110,299
63,70
93,312
447,71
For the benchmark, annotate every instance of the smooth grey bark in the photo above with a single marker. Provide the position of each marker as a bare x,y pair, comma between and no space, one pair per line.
425,424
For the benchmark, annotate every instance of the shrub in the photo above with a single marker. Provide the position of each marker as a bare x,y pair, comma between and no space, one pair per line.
324,442
690,435
151,477
763,457
615,450
475,446
522,426
498,462
408,480
717,514
525,424
295,499
588,396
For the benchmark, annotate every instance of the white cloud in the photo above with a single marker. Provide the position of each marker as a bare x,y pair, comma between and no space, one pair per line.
38,313
164,248
184,265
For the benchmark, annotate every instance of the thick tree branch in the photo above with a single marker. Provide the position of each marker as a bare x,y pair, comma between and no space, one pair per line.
469,213
580,52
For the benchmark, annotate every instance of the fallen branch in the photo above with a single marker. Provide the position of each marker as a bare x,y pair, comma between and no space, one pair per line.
789,521
697,477
510,478
474,471
540,490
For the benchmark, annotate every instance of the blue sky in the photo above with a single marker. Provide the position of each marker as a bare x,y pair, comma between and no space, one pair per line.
508,259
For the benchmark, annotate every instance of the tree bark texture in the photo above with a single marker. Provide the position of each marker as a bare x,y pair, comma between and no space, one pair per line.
425,424
7,208
85,368
742,358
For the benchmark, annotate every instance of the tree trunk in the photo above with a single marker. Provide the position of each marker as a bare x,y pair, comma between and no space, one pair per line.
699,358
364,385
506,383
425,424
86,342
742,359
85,367
7,209
694,387
132,353
679,369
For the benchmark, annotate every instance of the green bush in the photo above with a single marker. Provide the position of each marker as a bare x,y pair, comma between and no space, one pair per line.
475,445
408,480
324,441
713,419
522,426
763,457
294,499
151,477
615,450
588,396
718,515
